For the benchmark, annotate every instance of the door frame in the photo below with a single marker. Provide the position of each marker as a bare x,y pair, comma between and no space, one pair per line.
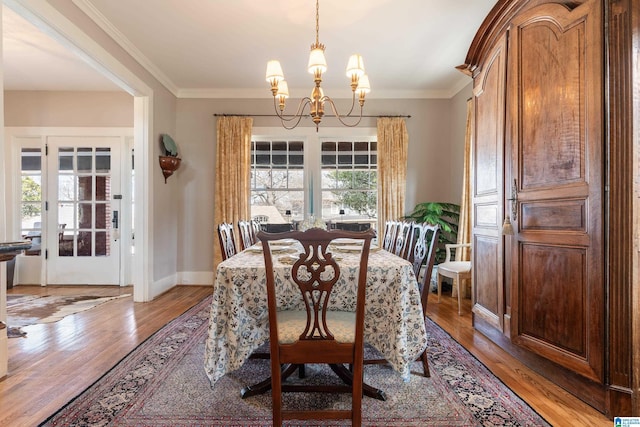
12,134
49,20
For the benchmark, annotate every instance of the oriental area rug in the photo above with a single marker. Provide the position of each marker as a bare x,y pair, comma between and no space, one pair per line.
163,383
25,310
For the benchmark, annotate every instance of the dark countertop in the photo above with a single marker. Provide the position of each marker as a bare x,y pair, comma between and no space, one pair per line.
8,250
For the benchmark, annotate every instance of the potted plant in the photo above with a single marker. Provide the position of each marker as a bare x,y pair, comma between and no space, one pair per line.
170,162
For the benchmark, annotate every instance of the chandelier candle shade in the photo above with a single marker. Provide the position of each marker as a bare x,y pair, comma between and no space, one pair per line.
317,66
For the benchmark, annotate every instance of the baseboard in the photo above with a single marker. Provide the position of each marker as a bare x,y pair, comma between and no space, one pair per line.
195,278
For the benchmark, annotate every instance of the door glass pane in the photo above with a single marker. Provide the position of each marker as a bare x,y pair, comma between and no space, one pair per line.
65,245
102,187
85,159
103,160
84,243
65,159
66,215
31,199
66,187
85,188
101,243
101,216
31,159
84,215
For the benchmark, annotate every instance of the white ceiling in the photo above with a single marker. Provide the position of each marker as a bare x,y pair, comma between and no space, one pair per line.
220,48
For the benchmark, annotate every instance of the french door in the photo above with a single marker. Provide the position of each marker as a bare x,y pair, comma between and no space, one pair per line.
83,210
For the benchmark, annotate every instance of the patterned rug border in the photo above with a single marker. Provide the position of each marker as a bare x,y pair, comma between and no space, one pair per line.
115,366
485,367
473,402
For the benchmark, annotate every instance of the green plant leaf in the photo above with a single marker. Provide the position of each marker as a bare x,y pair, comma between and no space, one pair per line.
169,145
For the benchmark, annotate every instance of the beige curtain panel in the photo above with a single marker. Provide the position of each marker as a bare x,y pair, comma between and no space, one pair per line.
464,225
393,142
233,171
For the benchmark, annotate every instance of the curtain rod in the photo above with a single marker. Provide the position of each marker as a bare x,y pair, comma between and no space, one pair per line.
289,115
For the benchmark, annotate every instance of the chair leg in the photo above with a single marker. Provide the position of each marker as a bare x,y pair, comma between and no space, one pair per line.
457,281
425,363
439,287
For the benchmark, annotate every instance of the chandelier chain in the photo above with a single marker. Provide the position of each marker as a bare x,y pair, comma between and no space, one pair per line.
317,22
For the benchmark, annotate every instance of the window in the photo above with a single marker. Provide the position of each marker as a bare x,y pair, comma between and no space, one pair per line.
302,173
31,199
277,180
349,180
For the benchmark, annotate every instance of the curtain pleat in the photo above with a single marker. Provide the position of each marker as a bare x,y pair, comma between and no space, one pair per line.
464,225
233,171
393,142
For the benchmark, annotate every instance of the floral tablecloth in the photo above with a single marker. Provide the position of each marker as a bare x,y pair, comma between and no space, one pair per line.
239,322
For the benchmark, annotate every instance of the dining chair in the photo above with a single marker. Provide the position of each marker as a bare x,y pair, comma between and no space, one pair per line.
390,229
457,271
247,238
316,334
227,240
402,237
255,229
424,252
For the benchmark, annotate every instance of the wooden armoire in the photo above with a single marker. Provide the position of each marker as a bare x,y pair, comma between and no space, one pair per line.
555,151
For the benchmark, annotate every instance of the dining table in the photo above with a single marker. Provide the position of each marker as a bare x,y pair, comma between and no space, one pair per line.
239,319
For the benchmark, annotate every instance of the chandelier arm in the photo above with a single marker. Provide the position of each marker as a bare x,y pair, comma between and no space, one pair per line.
353,104
284,124
338,116
303,103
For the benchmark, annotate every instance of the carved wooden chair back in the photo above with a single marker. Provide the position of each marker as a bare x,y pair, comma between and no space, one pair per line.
227,240
255,229
390,230
316,333
403,236
247,238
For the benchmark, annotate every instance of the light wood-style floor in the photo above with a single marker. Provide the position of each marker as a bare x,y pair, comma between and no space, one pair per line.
58,361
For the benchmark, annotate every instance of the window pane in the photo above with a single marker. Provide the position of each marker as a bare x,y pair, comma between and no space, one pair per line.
85,188
102,243
84,243
279,179
102,187
101,216
85,160
85,217
31,159
103,160
65,159
65,246
66,187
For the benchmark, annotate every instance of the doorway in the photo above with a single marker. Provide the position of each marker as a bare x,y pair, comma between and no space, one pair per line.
75,205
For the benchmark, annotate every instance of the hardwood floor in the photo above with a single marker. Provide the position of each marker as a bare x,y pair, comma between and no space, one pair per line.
57,361
553,403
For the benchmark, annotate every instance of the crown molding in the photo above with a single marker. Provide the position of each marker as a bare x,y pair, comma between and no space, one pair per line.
213,93
101,21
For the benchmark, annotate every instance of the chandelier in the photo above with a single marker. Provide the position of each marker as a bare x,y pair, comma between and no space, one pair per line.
316,102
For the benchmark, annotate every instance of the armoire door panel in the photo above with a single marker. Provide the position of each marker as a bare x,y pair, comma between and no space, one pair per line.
489,97
552,305
555,91
488,293
566,215
486,215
